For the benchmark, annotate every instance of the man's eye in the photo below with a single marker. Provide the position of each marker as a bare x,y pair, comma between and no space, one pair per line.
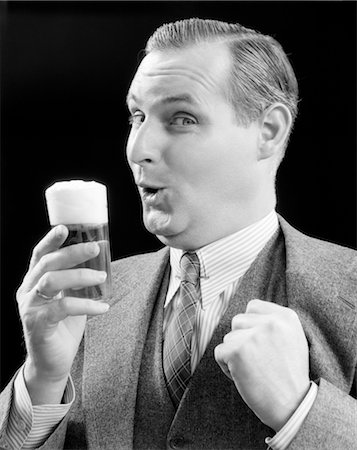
183,121
136,118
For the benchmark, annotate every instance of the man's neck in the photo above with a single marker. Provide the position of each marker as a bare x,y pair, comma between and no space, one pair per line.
201,240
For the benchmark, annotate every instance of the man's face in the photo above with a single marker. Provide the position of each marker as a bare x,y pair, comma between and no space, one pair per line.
195,167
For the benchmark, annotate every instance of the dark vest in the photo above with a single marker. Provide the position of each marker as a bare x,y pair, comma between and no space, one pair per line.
211,415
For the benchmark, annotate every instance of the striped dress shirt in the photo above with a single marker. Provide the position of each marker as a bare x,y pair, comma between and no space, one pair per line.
223,263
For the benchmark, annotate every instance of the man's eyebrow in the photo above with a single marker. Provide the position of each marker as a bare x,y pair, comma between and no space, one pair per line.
180,98
186,98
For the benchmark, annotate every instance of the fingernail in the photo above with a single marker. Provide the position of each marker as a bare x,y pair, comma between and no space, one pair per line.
102,276
103,307
59,231
92,248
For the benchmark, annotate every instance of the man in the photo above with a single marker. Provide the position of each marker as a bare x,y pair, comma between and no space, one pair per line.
243,331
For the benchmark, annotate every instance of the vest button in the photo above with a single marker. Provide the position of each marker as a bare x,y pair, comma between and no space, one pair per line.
177,442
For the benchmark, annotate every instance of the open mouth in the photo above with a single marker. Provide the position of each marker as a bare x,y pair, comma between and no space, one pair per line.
150,194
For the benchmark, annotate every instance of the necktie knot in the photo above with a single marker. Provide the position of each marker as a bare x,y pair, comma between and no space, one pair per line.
190,268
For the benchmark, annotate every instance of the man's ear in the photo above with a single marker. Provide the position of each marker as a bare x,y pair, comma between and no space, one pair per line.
275,124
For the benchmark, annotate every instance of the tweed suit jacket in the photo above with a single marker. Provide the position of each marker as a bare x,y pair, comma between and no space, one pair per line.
321,286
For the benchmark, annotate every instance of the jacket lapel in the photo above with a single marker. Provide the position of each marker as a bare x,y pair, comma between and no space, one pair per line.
113,351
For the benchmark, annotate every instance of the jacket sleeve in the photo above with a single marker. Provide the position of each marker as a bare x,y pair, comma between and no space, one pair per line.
55,440
331,422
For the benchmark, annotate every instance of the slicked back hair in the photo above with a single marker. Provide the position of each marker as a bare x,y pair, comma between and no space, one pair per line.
261,73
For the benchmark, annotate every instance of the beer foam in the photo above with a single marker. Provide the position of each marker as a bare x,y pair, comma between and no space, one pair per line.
77,201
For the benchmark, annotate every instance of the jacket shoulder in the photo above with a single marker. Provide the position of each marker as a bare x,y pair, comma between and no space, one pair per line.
131,272
317,249
320,262
137,262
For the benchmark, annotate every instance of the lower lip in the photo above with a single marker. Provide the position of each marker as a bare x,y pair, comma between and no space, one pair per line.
150,198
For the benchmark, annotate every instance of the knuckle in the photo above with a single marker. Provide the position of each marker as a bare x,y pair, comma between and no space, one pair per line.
18,295
252,305
227,338
272,325
81,275
234,322
239,346
237,321
36,252
27,320
20,290
63,303
218,352
288,317
45,262
292,314
46,280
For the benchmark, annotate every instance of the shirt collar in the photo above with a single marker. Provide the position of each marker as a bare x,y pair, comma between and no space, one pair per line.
226,260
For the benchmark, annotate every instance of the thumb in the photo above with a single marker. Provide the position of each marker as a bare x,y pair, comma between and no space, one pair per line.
220,357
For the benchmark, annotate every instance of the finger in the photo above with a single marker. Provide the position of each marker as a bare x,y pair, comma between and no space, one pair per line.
63,258
51,242
72,306
220,357
257,306
233,342
235,339
51,283
231,336
248,320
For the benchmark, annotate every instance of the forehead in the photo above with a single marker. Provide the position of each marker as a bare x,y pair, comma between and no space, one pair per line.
191,74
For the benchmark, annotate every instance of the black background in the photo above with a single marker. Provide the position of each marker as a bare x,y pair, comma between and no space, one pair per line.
66,68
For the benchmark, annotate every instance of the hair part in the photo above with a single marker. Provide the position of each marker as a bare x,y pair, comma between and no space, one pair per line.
261,73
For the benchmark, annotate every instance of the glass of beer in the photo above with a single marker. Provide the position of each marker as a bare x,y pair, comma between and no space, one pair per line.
82,207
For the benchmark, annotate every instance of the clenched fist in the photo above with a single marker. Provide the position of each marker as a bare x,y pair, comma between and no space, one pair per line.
266,355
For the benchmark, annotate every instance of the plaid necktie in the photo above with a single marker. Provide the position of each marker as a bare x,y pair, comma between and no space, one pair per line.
178,336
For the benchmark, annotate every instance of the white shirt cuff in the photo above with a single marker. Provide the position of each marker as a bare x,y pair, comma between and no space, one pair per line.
284,436
29,426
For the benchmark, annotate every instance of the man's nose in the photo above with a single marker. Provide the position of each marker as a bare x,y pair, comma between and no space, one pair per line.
145,145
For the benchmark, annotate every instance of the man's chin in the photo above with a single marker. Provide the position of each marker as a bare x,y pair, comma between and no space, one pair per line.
159,224
169,231
168,235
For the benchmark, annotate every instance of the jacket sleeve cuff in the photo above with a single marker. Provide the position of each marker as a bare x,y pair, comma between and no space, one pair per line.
29,425
284,436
